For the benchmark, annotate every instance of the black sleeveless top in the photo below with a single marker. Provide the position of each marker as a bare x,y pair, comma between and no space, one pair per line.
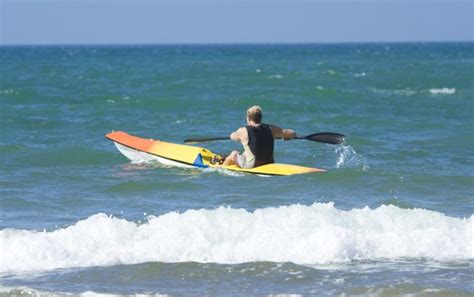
261,143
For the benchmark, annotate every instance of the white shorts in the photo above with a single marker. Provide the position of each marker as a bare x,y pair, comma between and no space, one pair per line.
242,161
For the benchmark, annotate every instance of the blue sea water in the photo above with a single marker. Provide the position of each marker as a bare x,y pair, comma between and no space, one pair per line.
393,214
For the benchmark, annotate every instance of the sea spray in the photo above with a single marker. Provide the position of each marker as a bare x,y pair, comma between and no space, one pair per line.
308,235
348,157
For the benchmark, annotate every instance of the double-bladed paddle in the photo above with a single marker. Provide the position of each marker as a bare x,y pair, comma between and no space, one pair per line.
323,137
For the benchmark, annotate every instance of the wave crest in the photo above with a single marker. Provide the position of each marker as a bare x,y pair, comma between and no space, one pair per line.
443,91
308,235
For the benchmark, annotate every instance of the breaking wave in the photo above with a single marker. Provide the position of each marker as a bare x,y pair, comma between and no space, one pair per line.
307,235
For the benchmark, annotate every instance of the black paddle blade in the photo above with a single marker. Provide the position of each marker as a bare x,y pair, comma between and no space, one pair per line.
326,137
197,140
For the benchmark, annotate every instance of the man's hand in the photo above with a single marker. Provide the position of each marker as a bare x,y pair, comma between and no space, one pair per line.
288,134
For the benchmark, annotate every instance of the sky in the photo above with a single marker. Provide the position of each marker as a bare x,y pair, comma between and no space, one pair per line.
46,22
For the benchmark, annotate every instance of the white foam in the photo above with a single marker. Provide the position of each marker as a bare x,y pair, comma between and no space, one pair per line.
21,291
443,91
401,92
7,91
308,235
224,171
26,291
276,76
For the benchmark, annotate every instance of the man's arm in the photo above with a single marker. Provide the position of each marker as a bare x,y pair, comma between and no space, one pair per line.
282,133
237,135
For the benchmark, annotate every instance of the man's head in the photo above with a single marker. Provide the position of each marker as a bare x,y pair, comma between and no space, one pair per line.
254,114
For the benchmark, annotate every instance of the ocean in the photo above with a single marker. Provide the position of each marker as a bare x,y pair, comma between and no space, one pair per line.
392,215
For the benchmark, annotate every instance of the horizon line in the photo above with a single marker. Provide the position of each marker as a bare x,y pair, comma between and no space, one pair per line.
230,43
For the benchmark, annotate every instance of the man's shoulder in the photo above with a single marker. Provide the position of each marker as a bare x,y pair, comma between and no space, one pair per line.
242,130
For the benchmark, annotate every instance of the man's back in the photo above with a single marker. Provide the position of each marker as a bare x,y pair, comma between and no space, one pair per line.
261,143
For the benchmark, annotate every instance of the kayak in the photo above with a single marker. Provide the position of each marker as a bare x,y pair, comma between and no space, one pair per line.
188,156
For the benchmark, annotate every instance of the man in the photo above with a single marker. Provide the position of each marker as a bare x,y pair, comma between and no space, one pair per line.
258,141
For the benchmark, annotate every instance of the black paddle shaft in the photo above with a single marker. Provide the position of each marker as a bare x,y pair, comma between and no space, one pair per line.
324,137
197,140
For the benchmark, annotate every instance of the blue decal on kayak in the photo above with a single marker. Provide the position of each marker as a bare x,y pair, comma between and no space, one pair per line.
199,163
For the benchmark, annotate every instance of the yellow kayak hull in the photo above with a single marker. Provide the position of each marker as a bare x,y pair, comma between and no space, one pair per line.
173,154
